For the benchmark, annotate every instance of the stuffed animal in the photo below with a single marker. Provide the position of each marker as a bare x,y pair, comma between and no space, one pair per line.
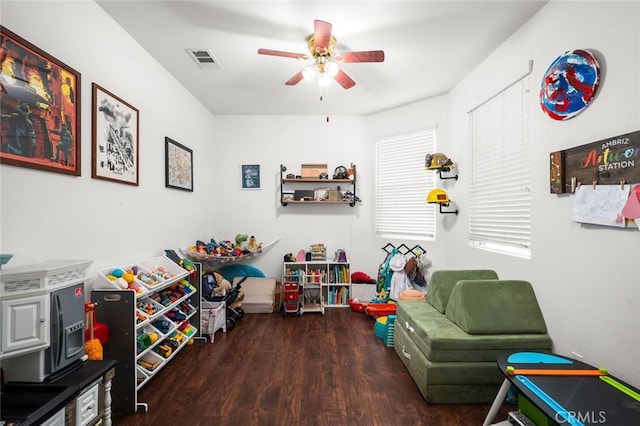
241,241
223,286
253,245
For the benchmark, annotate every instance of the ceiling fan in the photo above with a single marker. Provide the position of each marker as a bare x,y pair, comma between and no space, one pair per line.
325,63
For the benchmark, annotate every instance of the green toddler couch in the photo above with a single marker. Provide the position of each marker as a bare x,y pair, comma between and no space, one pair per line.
450,343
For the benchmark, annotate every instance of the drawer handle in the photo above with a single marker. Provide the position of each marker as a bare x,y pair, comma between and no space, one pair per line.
406,354
408,327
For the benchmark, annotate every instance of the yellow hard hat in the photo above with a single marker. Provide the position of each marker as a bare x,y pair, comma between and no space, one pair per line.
437,161
438,196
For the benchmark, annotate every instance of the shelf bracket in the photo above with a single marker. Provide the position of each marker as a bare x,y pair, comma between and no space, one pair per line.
446,170
447,212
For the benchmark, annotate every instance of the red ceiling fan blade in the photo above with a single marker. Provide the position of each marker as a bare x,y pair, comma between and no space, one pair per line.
295,79
322,34
366,56
344,80
283,54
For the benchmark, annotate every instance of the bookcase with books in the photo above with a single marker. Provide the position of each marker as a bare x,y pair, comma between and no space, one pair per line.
322,283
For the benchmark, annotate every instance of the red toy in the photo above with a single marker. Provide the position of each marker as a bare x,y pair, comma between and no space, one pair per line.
380,309
357,306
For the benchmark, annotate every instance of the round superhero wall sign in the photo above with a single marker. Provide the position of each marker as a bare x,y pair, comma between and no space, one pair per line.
569,84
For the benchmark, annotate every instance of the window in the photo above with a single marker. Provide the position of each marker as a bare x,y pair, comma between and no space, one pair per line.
402,185
500,188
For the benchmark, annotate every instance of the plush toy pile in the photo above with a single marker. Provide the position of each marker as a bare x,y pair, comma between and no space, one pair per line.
243,244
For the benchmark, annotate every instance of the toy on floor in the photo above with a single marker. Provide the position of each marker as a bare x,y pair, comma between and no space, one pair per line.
376,310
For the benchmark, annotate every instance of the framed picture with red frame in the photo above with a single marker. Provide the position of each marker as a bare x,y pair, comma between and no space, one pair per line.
39,107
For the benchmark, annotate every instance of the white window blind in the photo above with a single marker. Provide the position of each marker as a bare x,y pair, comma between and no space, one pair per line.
500,191
402,185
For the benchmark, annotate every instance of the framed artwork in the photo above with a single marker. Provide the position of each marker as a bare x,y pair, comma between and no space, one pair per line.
250,176
39,107
178,165
114,154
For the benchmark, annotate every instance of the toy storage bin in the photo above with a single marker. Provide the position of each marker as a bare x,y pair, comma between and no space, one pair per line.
150,363
169,346
102,282
214,317
148,279
141,317
188,330
141,377
145,341
149,307
164,325
187,308
162,265
311,292
177,316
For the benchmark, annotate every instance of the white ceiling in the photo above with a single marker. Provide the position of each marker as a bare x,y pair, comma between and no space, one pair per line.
429,46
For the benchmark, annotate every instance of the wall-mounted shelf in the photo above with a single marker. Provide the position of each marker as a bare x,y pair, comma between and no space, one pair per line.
305,190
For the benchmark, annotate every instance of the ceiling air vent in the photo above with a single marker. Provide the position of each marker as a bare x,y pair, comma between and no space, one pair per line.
204,58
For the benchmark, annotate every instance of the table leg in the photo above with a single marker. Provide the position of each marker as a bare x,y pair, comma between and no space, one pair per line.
108,377
497,403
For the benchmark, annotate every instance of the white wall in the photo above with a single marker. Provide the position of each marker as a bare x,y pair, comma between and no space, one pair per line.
291,141
52,216
587,278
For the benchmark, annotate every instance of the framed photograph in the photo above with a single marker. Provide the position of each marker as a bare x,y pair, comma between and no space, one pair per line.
250,175
178,165
114,148
39,107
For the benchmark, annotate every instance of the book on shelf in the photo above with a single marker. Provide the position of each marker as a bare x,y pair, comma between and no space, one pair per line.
340,274
337,295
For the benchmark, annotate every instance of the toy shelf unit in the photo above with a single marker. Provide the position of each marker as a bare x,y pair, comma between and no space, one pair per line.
322,283
310,188
149,322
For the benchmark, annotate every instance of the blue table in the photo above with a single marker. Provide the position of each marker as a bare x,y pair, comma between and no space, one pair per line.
568,391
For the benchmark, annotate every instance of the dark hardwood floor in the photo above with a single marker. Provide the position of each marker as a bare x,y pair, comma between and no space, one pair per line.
294,370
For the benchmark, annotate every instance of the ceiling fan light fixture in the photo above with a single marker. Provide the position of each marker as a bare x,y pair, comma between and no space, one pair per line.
308,73
332,69
327,65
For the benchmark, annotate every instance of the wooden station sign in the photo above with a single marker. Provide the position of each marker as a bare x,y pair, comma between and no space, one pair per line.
610,161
